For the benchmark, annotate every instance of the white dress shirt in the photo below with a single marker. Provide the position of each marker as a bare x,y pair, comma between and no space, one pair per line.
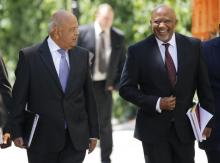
173,52
1,136
98,76
53,47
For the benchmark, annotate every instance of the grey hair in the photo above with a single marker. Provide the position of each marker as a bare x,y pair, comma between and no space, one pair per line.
104,6
55,21
51,25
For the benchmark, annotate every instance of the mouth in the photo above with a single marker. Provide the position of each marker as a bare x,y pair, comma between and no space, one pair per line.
162,32
74,39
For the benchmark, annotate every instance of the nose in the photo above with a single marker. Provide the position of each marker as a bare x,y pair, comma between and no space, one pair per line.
162,24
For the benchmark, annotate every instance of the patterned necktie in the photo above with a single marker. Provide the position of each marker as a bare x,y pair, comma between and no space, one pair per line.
101,54
63,69
171,70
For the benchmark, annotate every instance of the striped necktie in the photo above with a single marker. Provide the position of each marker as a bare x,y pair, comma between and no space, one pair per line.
170,67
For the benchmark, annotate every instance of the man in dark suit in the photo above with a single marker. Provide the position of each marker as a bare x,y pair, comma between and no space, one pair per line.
211,52
5,105
107,53
160,76
54,81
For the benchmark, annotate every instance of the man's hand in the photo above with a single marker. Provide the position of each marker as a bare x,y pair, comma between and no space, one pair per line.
168,103
207,132
92,145
19,142
6,140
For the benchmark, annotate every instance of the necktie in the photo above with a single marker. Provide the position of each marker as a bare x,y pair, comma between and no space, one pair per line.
171,70
63,69
101,54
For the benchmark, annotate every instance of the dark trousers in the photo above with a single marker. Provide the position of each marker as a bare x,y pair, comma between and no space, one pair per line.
104,105
68,155
213,156
170,151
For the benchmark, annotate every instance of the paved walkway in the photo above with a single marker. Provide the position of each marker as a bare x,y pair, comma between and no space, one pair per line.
126,149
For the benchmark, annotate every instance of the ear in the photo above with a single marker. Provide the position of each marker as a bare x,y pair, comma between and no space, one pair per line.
176,22
56,33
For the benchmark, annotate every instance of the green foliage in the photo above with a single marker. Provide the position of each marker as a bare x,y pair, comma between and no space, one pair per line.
22,23
122,110
133,17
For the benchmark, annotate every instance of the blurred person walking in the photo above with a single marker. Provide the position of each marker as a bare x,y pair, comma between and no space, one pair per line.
107,53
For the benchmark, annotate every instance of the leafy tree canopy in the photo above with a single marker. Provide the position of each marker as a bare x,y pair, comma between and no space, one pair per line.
22,23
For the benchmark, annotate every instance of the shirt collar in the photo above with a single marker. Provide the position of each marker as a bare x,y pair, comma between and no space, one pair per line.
52,45
98,29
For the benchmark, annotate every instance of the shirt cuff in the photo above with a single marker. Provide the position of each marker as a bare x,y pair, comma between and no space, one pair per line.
158,106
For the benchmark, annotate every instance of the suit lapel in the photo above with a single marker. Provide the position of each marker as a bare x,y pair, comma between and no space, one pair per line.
92,44
158,56
48,61
181,54
73,68
93,39
113,46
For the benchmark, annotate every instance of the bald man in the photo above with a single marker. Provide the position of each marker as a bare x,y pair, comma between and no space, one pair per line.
53,80
107,51
160,76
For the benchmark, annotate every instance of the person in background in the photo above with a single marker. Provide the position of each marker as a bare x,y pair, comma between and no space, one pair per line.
160,76
53,80
5,106
211,52
107,53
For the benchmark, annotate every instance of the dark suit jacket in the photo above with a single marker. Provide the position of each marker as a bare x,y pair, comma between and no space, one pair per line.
211,52
144,80
37,86
87,40
6,103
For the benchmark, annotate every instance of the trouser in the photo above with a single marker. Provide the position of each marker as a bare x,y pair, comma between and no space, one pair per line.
67,155
104,105
170,151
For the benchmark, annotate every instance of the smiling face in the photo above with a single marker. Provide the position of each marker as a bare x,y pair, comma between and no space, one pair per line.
163,23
